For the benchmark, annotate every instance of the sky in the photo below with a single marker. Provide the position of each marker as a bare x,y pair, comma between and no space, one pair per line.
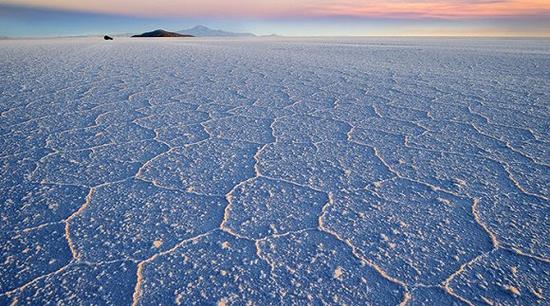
23,18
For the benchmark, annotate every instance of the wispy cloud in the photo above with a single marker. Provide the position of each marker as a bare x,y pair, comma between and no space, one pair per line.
287,17
305,8
435,8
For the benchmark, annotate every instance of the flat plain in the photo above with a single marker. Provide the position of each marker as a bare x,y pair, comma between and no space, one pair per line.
275,171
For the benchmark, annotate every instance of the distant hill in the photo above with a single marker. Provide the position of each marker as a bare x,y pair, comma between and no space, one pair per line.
202,31
162,33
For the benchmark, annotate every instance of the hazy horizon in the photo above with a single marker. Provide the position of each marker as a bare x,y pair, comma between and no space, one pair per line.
54,18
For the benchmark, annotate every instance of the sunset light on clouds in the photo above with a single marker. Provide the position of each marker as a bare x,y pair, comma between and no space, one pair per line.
306,8
436,9
361,17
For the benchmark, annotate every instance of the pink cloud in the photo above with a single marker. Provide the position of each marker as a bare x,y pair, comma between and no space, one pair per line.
307,8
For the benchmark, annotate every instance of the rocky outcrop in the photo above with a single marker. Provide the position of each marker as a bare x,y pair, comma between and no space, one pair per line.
162,33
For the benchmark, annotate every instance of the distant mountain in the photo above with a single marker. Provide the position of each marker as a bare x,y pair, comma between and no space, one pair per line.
162,33
202,31
123,35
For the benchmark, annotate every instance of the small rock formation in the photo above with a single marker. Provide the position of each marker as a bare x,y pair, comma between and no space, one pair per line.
106,37
162,33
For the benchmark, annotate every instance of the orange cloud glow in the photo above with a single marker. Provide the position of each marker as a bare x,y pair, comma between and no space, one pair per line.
439,8
305,8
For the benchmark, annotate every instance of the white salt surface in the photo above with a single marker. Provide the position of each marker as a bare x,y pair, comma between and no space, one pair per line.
275,171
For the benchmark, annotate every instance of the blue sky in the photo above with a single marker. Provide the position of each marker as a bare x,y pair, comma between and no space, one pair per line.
32,20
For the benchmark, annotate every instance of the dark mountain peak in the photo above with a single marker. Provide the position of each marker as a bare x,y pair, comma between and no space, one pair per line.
162,33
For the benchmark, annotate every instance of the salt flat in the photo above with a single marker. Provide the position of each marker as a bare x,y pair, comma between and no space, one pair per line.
275,171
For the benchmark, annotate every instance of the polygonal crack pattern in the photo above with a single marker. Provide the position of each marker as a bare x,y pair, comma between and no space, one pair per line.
341,171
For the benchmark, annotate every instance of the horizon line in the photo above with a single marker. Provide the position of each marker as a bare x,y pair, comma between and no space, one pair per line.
285,36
